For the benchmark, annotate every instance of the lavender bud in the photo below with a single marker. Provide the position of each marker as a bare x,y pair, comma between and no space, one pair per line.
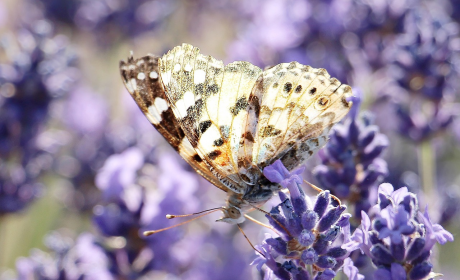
330,218
367,135
381,254
295,225
278,244
420,271
306,238
336,252
398,250
332,233
290,267
321,245
309,219
326,262
322,202
415,249
309,256
423,257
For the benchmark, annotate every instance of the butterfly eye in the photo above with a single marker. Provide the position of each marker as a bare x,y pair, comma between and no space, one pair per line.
233,213
321,103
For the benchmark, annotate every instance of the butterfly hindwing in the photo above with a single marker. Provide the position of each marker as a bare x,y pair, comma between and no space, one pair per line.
299,104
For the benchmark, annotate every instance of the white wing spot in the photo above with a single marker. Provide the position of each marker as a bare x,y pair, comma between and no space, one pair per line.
188,68
208,137
166,77
133,83
183,104
153,75
141,76
200,76
161,104
177,67
153,115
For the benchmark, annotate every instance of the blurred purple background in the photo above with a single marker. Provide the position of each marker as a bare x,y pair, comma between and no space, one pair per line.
83,173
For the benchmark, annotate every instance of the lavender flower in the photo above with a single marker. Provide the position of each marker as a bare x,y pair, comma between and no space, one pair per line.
309,236
84,259
137,194
352,166
423,64
38,72
128,19
398,238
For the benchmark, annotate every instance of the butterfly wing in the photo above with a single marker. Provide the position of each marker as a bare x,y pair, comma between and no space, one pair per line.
293,108
210,101
142,79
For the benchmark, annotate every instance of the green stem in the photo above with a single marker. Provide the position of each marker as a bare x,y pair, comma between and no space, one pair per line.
2,237
427,171
427,168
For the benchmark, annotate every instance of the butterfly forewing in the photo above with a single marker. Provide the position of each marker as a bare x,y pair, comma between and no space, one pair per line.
142,79
214,118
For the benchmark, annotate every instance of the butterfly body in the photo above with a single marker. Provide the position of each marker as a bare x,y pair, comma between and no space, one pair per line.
229,122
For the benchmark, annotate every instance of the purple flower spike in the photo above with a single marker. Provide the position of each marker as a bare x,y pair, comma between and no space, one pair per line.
352,166
312,241
394,239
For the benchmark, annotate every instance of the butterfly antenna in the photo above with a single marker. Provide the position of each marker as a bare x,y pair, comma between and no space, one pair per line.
276,221
250,241
320,190
169,216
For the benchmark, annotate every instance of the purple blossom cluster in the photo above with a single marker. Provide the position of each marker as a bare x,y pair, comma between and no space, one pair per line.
137,193
40,68
110,20
423,66
309,246
351,163
314,242
398,238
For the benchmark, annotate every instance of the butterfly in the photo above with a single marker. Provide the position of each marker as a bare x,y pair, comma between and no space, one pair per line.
231,121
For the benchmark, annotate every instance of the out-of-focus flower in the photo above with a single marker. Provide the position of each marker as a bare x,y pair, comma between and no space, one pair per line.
398,238
85,259
309,236
40,69
137,194
111,20
352,166
424,66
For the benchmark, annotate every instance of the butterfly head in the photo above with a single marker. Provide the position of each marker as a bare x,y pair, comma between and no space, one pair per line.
232,215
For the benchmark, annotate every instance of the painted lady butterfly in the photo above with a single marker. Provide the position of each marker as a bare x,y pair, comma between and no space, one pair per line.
230,121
